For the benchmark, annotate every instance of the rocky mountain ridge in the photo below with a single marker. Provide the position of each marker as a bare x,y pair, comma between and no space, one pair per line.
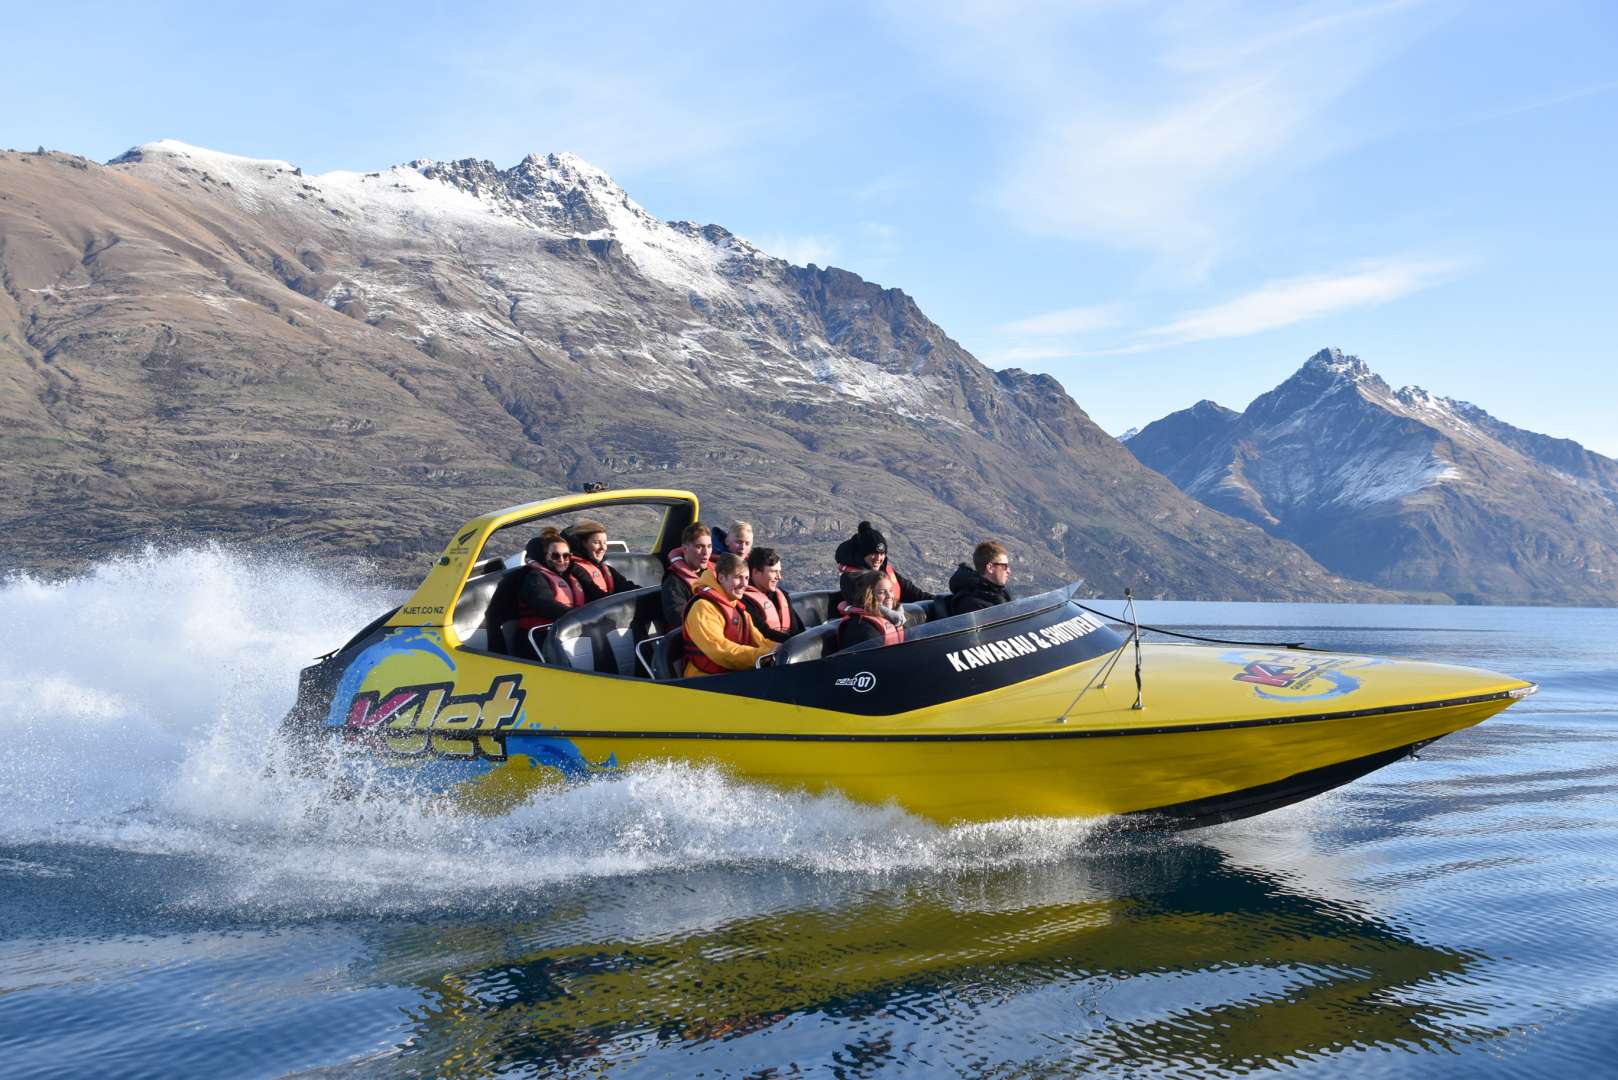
1403,488
201,344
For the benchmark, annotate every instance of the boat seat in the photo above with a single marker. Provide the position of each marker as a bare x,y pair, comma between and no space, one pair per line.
815,607
812,644
643,570
601,635
917,612
670,647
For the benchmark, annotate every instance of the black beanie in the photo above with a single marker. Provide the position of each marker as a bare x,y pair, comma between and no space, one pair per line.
867,540
535,550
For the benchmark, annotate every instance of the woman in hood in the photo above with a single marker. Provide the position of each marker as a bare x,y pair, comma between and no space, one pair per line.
867,549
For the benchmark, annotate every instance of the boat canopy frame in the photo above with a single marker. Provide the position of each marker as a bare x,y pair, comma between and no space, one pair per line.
433,602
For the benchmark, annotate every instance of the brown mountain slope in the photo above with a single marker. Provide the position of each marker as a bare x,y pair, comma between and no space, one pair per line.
199,344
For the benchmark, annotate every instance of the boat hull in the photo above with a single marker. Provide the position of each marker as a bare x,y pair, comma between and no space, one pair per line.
1222,734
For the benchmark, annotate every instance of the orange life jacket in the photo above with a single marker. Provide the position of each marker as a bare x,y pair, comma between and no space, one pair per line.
886,568
777,612
598,574
678,565
567,593
735,629
891,635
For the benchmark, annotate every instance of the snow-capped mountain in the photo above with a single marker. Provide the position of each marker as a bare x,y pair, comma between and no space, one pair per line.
1402,487
205,343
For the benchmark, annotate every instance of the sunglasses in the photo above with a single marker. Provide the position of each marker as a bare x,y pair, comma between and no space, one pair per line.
562,556
1004,564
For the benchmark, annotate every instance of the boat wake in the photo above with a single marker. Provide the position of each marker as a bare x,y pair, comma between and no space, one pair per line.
143,704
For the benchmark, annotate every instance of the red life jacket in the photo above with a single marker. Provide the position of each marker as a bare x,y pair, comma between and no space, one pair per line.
598,574
891,635
735,629
677,564
777,612
567,593
886,568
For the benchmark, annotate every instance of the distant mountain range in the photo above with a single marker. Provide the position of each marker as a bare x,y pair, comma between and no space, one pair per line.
196,344
1402,488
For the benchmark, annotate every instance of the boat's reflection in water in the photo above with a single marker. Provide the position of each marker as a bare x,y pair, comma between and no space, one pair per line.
1168,956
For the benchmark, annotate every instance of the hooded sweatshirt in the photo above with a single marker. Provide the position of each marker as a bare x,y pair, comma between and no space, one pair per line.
971,591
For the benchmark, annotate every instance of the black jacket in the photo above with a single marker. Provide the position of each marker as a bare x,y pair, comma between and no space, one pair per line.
908,592
536,598
754,612
853,630
676,595
591,592
971,591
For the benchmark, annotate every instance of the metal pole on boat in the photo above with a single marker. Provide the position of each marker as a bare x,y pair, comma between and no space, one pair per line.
1134,621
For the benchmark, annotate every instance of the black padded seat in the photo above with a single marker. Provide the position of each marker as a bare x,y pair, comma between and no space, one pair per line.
488,601
815,607
601,635
812,644
643,570
667,656
918,612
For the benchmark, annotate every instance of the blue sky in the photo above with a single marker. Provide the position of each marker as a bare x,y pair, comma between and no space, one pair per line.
1156,203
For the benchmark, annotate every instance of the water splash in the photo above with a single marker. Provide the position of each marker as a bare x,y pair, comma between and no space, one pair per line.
144,700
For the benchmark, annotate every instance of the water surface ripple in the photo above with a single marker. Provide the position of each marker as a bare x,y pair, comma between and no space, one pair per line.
168,907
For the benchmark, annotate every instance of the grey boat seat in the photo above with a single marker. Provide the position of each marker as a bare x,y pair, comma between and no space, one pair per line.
812,644
816,607
601,635
666,657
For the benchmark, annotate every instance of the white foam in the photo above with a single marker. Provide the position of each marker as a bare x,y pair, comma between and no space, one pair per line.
144,701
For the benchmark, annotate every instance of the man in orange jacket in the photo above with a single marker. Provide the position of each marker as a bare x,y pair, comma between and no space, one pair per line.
719,637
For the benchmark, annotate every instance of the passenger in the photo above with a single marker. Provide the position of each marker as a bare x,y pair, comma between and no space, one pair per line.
595,576
984,587
767,603
866,614
686,564
719,637
867,549
548,591
739,541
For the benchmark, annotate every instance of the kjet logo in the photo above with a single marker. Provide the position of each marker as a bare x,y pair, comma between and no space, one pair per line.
860,683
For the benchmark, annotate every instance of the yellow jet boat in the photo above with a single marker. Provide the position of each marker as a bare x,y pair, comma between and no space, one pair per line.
1021,710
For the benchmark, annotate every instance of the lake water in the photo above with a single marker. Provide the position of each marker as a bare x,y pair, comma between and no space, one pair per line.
169,909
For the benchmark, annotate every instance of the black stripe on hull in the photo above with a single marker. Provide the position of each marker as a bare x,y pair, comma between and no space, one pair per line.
1009,736
1250,802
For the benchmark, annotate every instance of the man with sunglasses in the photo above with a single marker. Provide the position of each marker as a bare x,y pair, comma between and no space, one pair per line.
983,584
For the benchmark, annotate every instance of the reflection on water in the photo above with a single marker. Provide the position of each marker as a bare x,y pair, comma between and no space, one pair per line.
1148,959
169,907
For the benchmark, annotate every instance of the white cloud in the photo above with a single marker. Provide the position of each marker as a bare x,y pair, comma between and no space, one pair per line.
1025,354
1299,299
1068,321
1146,132
800,250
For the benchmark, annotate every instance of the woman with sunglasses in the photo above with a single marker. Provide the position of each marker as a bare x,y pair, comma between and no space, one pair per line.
548,590
983,584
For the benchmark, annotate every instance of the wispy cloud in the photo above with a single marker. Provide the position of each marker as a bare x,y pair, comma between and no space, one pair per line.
800,250
1295,300
1032,354
1068,321
1139,132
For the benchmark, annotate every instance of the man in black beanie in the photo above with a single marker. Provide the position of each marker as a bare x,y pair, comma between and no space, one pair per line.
867,549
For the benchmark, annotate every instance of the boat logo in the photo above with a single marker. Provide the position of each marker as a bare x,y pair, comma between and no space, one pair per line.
860,683
1287,677
414,719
